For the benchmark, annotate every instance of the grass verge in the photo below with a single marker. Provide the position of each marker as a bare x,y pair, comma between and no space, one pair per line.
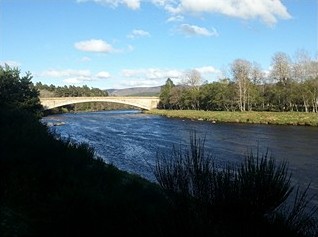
278,118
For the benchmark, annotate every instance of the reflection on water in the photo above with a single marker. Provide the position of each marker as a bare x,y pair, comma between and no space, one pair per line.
130,140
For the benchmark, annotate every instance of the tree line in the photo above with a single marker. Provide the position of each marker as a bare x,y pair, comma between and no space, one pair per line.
290,85
68,91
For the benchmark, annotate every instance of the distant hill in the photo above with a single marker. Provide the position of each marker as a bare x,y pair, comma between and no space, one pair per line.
135,91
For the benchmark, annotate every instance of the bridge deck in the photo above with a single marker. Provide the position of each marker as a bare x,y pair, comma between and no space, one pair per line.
147,103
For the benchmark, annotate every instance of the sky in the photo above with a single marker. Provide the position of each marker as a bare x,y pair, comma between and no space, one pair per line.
136,43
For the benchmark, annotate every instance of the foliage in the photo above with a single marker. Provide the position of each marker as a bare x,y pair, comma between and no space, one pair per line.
300,217
245,199
289,86
165,94
69,91
18,92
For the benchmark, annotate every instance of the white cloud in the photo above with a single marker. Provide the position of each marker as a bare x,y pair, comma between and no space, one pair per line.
191,30
138,34
177,18
151,73
72,76
78,80
103,75
267,11
66,73
149,76
157,77
132,4
138,83
94,45
10,63
208,70
73,80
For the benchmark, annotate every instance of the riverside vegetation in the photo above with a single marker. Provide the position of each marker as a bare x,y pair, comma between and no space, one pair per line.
259,117
288,86
50,187
288,94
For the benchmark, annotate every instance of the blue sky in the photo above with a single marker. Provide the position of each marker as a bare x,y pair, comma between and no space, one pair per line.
130,43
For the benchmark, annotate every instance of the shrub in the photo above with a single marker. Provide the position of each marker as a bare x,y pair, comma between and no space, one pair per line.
245,199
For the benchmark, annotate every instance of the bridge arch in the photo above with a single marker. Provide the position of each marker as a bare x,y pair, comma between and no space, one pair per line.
146,103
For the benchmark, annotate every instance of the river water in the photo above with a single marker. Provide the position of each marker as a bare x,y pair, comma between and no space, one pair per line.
131,141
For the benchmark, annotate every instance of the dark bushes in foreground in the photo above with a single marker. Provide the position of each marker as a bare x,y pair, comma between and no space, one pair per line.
245,200
52,188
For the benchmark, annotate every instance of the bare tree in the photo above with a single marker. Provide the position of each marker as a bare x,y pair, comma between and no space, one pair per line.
257,86
282,73
301,66
241,71
281,68
301,71
193,81
257,75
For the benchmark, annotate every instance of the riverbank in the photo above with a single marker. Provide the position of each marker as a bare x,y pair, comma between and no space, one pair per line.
279,118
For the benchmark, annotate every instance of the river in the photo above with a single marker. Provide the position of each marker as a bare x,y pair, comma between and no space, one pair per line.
131,141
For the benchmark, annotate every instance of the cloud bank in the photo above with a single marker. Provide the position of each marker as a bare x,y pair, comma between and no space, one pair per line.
72,76
267,11
157,77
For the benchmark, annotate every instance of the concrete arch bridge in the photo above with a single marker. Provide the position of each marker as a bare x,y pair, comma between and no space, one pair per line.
146,103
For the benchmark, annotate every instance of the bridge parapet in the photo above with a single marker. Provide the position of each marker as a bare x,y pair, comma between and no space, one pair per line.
146,103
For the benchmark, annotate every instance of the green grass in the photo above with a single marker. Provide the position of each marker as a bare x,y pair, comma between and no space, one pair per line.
279,118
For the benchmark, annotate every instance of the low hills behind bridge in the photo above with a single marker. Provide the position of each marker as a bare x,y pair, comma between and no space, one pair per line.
135,91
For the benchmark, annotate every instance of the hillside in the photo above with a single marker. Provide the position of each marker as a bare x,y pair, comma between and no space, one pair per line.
135,91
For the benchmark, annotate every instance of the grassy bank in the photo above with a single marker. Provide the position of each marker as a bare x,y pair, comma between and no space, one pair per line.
280,118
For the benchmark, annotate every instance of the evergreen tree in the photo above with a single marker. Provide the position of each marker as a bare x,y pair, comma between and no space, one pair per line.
18,92
165,94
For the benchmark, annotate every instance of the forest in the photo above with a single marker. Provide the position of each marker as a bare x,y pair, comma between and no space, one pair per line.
289,85
68,91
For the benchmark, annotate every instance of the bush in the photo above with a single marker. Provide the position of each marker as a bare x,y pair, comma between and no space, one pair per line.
245,199
54,188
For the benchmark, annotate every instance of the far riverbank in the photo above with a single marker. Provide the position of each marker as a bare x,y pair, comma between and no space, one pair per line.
279,118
